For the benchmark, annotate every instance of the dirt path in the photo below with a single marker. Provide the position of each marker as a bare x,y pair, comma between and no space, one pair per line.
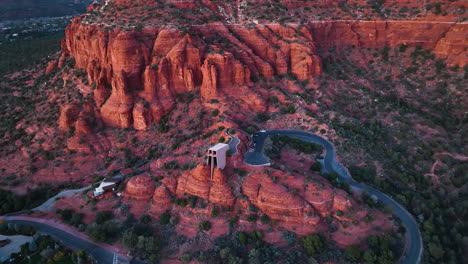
49,203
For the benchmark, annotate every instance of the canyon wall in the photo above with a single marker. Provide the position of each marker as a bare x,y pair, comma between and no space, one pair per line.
136,74
446,39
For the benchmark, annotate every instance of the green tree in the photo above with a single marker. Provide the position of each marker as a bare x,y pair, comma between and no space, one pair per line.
313,244
152,245
316,166
352,253
204,226
243,238
369,256
104,216
435,250
164,218
129,238
145,219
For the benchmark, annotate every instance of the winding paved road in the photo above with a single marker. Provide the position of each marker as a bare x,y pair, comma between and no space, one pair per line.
414,247
102,253
233,143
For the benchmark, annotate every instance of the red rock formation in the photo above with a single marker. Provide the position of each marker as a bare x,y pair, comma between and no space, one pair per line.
320,195
342,201
161,200
51,66
147,67
198,182
170,182
68,117
140,188
446,39
275,200
452,45
153,65
220,191
195,182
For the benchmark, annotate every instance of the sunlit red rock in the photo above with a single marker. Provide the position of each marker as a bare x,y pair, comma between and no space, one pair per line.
140,187
161,200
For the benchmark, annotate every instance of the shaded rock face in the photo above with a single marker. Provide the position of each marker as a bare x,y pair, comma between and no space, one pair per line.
277,201
140,188
136,74
198,182
445,39
301,202
51,66
81,118
152,66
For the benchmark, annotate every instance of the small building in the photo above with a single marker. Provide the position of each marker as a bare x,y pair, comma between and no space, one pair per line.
216,156
107,185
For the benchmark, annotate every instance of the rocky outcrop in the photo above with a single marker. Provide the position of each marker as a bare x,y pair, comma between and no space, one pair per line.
161,200
195,182
342,201
68,116
277,201
446,39
320,195
51,66
297,200
140,188
220,191
138,74
198,182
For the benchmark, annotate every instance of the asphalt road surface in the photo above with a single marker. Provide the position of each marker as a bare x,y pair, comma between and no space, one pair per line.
100,254
414,247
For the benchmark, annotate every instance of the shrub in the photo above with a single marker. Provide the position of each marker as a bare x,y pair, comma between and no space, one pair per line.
352,253
104,216
204,226
181,202
316,166
243,238
214,212
103,233
252,218
215,112
313,244
145,219
265,219
262,117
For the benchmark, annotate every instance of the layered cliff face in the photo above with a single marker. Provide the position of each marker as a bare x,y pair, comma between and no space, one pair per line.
136,74
199,183
446,39
297,200
141,188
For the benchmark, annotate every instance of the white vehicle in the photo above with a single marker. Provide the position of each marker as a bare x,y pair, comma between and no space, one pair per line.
262,131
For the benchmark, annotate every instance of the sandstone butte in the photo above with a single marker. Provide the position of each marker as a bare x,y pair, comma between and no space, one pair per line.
296,203
140,188
137,73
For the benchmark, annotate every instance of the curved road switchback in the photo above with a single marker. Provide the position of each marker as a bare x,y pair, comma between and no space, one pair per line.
414,247
233,143
103,254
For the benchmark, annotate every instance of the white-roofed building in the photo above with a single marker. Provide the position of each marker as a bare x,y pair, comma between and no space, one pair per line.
216,156
106,185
